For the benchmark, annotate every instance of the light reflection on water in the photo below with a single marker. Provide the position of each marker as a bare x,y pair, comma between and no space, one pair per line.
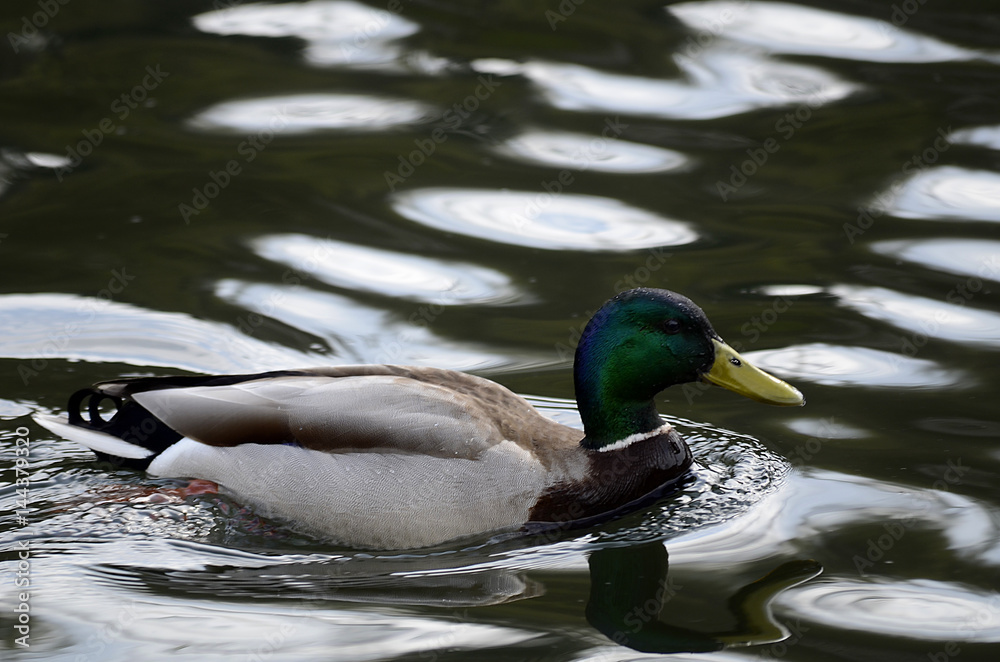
303,113
389,273
853,366
976,258
482,260
984,136
365,334
554,221
57,326
337,32
786,28
319,20
946,192
168,571
919,608
584,152
747,84
951,319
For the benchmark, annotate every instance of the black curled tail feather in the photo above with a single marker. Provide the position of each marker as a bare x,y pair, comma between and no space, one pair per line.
131,422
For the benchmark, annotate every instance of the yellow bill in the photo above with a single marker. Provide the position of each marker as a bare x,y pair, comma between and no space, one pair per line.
732,371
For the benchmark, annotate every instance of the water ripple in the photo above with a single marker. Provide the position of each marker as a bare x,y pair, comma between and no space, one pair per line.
952,320
337,32
566,221
394,274
589,152
36,160
976,258
716,84
947,192
244,629
982,136
921,609
366,334
15,164
786,28
837,365
825,428
48,326
304,113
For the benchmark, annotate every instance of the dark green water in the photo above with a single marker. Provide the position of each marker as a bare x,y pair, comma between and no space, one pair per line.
195,188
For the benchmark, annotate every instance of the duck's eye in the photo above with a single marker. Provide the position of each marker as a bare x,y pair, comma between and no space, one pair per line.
671,327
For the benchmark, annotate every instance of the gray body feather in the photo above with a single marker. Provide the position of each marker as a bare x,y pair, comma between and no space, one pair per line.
369,456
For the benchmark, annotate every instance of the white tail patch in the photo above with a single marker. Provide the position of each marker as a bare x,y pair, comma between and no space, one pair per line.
381,500
98,441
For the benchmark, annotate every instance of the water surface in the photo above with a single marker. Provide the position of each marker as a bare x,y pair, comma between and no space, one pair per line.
190,188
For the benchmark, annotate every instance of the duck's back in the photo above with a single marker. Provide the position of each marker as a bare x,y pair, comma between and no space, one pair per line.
373,456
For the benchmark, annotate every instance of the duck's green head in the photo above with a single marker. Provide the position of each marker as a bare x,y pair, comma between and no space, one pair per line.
644,340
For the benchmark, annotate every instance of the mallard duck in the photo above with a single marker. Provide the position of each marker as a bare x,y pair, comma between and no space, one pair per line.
393,457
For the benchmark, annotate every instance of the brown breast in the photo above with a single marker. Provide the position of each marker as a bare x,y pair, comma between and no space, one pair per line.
617,482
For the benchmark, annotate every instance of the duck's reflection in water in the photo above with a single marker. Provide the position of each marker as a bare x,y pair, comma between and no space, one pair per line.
630,588
632,599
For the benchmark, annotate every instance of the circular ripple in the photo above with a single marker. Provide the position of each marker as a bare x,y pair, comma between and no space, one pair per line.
589,152
921,609
541,220
787,28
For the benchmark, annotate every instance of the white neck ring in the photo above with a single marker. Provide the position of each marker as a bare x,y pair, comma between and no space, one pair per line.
638,436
